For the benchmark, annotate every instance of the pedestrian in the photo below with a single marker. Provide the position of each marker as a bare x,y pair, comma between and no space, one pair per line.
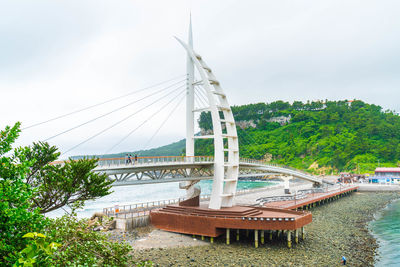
129,158
135,158
343,260
126,159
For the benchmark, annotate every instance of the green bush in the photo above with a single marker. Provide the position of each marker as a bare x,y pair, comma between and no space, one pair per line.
17,217
81,246
38,252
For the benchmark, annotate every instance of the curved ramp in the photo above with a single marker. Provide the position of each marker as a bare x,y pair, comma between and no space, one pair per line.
284,170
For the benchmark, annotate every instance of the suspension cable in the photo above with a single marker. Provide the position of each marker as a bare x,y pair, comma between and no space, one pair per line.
104,102
162,124
118,122
197,103
202,93
110,112
199,99
145,121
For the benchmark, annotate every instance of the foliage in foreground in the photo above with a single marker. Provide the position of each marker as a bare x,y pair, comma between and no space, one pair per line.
81,246
38,251
335,135
58,185
27,183
17,216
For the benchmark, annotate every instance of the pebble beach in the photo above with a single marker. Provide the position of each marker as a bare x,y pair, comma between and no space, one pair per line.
338,229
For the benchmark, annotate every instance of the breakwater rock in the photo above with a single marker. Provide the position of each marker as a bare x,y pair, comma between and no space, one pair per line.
338,229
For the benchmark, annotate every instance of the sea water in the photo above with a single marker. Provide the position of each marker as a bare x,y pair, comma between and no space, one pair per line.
124,195
386,228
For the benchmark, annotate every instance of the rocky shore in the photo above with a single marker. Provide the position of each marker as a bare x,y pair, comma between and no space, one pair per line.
338,229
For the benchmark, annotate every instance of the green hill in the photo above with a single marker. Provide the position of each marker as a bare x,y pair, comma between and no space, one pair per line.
173,149
324,137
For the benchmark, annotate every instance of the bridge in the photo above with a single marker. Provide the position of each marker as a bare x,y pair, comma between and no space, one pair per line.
148,170
203,93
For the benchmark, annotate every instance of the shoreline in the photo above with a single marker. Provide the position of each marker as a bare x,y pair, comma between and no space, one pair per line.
339,228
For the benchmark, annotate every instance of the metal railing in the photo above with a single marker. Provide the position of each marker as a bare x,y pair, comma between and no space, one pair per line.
152,160
301,194
144,208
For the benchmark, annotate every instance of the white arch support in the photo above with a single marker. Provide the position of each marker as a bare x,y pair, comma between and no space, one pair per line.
226,154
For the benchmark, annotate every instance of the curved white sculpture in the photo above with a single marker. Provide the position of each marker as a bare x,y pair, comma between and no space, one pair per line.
225,171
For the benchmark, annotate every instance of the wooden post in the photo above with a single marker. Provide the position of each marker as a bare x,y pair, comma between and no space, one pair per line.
296,236
270,235
289,239
227,236
237,235
256,238
202,237
247,232
262,236
302,233
211,240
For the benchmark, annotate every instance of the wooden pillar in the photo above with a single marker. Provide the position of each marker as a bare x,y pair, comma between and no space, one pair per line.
247,232
296,236
211,240
289,239
256,238
237,234
202,237
262,236
279,234
227,236
302,233
270,235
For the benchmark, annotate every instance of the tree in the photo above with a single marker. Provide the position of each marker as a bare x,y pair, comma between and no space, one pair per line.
62,184
17,216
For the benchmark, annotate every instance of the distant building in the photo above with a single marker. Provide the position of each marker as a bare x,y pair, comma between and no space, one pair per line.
386,175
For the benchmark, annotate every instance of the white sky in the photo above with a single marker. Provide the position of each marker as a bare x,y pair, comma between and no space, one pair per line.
60,56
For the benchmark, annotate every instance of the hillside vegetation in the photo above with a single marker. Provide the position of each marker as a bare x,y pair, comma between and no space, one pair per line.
324,137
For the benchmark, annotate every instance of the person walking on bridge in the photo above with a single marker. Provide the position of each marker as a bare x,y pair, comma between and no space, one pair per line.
126,159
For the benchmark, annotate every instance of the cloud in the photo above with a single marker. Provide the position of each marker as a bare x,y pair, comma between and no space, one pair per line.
56,57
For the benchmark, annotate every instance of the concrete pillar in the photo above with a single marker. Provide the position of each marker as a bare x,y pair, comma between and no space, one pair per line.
262,236
296,236
289,239
227,236
256,238
270,235
237,234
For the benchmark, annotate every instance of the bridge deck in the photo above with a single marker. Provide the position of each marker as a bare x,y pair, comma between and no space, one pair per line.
310,199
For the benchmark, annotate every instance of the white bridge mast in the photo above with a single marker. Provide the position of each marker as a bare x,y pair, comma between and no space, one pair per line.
226,146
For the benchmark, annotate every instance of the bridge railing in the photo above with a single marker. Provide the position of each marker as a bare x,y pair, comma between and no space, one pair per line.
263,162
152,160
123,161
